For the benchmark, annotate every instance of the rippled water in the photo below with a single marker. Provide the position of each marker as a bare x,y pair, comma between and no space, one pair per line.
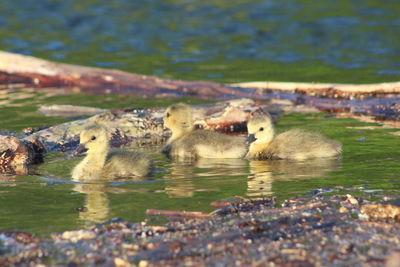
48,200
220,40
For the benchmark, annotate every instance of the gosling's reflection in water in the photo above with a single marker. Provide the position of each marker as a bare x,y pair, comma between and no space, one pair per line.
96,207
179,184
179,181
264,172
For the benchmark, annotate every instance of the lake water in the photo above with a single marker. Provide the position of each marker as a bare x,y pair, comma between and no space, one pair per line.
221,40
225,41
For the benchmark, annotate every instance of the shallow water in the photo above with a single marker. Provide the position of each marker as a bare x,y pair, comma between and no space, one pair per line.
49,201
220,40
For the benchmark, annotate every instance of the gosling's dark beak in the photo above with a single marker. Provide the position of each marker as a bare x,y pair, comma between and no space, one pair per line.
250,138
81,149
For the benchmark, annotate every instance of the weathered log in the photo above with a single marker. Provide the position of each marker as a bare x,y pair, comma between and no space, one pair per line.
68,110
144,127
34,72
329,89
129,127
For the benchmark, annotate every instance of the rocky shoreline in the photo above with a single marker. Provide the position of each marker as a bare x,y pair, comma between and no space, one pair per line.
335,229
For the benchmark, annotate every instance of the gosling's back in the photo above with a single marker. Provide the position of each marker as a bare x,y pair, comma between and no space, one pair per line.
122,163
186,142
207,144
102,163
299,145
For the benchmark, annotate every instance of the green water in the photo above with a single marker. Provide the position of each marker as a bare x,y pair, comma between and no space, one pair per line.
217,40
48,201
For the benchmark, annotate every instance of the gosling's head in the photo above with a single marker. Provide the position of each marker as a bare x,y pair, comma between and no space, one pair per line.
93,138
260,129
178,117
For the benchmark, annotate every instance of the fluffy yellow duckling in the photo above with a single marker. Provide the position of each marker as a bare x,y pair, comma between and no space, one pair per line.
100,162
294,144
186,142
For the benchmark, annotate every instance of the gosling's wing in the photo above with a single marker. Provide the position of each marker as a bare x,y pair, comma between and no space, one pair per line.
299,144
210,144
122,163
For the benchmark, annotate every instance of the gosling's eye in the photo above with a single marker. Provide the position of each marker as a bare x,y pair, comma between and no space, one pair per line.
167,115
262,129
93,138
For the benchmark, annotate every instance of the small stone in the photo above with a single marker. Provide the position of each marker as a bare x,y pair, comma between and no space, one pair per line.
15,155
75,236
382,212
393,260
352,200
343,210
121,263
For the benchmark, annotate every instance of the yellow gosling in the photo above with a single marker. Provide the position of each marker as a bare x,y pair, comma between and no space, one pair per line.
294,144
101,163
186,142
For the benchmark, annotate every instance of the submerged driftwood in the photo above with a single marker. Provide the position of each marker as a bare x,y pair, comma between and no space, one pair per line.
338,230
128,127
144,127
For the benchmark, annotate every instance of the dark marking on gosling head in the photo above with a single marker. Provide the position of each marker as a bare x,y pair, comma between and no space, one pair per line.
251,138
81,149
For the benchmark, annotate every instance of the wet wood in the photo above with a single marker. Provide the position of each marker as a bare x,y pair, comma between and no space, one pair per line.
34,72
68,110
178,213
329,89
135,127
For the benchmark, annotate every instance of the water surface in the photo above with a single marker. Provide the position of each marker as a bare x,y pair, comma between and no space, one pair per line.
220,40
49,201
